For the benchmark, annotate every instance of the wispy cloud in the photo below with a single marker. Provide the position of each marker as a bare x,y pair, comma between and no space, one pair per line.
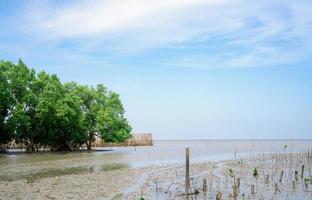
258,57
237,33
94,18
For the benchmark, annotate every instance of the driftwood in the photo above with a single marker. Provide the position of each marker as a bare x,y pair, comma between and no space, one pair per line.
276,189
190,193
169,186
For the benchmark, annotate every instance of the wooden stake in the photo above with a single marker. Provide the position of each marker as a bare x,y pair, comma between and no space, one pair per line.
267,179
234,191
281,178
293,185
238,185
187,170
252,190
296,175
204,185
306,186
218,196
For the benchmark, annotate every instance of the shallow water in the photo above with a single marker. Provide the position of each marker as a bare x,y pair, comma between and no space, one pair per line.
15,166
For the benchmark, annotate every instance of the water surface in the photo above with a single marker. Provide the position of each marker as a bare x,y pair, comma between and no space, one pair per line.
45,164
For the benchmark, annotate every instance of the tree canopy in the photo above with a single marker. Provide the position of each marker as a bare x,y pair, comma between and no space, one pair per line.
38,109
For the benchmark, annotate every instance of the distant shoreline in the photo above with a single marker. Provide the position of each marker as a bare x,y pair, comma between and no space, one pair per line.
155,140
22,151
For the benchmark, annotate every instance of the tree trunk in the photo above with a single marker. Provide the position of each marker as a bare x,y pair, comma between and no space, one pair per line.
2,149
30,146
89,142
89,145
63,147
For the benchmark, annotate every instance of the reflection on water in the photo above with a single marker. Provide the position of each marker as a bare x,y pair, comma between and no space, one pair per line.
41,165
55,172
44,173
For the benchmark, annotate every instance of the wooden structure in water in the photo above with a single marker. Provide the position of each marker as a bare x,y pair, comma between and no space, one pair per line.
137,139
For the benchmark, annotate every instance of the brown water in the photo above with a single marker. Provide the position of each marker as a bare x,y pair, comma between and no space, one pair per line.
40,165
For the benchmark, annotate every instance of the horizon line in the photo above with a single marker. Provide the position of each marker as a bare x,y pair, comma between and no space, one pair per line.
276,139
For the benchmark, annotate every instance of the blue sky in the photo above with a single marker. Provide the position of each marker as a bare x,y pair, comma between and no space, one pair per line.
210,69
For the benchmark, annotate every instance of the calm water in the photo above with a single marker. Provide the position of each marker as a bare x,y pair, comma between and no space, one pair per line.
163,152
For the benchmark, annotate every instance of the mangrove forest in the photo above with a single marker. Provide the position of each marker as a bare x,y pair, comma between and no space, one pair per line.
38,109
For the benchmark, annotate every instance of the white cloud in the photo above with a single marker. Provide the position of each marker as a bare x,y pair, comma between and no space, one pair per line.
89,18
260,33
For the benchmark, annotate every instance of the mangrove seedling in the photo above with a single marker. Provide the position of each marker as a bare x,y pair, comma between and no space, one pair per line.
231,173
255,173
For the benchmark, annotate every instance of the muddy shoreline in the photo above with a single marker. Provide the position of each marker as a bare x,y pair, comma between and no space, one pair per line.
167,181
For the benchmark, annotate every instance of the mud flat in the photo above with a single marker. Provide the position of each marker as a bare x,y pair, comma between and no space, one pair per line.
260,176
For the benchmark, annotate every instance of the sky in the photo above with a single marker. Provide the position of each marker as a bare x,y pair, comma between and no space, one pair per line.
184,69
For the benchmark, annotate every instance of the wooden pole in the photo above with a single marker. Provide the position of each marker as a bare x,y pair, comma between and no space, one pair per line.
238,185
302,171
308,156
306,186
252,190
296,176
293,185
218,196
281,178
187,171
234,192
267,179
204,185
